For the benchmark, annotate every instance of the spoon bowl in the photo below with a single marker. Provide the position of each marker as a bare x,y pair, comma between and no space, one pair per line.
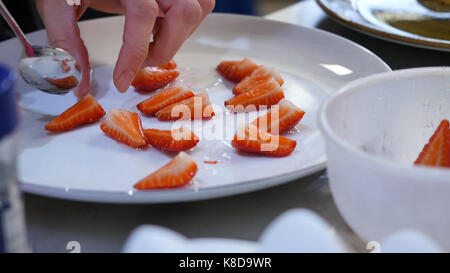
48,66
51,70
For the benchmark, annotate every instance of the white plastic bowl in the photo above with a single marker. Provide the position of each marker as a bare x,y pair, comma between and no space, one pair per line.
374,129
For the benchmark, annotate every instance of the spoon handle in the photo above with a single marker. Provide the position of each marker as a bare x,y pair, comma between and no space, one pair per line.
15,27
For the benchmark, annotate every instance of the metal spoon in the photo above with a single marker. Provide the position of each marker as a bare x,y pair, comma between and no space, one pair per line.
37,61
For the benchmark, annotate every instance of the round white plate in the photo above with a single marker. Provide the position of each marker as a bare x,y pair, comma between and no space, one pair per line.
84,164
361,16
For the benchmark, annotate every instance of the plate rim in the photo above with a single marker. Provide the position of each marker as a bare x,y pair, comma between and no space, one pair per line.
184,195
377,33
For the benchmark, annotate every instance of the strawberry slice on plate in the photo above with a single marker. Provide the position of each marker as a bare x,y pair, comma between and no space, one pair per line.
253,140
260,75
163,99
175,140
124,127
64,83
236,70
169,66
178,172
265,94
152,78
196,107
437,151
86,110
287,117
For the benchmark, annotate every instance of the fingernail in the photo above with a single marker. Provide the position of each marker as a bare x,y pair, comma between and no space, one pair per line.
125,80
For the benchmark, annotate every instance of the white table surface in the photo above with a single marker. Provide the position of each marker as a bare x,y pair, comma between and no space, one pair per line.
53,223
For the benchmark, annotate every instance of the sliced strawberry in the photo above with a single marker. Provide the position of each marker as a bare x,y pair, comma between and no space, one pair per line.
77,66
260,75
437,151
253,140
287,117
210,162
65,66
86,110
236,70
153,78
124,127
64,83
169,66
163,99
265,94
178,172
172,140
197,107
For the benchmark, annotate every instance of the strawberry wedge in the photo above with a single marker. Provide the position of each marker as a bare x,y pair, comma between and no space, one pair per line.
258,76
152,78
178,172
175,140
236,70
437,151
196,107
86,110
124,127
64,83
163,99
265,94
286,118
253,140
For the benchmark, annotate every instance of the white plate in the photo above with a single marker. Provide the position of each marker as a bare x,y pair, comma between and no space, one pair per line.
84,164
361,16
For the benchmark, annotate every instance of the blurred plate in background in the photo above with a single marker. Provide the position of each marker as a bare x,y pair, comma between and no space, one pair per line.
420,23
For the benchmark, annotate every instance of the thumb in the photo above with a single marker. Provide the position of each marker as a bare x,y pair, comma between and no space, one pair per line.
60,21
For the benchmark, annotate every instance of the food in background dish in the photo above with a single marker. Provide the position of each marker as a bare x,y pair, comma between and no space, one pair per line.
437,151
436,5
125,127
178,172
86,110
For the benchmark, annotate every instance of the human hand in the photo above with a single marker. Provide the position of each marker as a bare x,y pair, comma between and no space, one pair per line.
60,20
180,19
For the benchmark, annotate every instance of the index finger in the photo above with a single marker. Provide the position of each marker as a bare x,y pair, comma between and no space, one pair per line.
140,17
181,18
63,32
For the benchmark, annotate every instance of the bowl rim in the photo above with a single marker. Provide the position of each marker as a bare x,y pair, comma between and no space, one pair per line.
400,169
